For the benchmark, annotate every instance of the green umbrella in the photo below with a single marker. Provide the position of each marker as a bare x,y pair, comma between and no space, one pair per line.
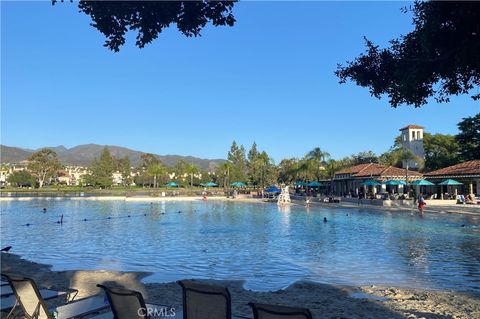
211,184
371,182
314,184
422,182
450,182
238,184
300,183
394,182
172,184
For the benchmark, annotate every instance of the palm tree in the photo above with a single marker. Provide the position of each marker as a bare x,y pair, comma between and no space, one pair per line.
225,168
191,170
319,158
406,155
156,170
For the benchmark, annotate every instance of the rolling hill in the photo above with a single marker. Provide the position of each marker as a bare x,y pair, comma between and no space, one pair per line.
83,155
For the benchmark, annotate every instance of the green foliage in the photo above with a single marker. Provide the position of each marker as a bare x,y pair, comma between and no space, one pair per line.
288,170
102,170
317,160
149,159
469,138
440,151
364,158
21,178
44,165
223,174
156,170
253,163
236,156
115,18
191,170
125,168
439,58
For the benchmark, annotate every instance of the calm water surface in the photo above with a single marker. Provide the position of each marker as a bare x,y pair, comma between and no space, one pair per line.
267,247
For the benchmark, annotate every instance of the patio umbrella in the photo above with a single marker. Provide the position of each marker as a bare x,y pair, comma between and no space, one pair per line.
238,184
371,182
450,182
211,184
394,182
314,184
172,184
422,182
272,189
300,183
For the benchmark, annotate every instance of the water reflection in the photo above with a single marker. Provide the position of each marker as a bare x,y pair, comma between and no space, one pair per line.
266,245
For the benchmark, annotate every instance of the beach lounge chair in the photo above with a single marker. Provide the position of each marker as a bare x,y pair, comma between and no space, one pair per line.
204,301
264,311
29,298
129,304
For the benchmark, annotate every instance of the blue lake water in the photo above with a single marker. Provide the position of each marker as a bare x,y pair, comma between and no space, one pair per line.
267,247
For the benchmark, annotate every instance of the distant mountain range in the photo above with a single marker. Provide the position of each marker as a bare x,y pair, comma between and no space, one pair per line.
83,155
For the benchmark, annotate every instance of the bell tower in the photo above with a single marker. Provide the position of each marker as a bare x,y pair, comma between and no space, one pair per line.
412,139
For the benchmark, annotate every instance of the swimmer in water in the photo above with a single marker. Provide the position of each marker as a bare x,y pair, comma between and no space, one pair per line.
324,219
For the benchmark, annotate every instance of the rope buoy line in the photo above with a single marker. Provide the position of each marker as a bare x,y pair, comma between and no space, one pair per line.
61,221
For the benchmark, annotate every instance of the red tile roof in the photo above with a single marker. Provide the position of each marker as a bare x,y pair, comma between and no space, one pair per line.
467,168
374,169
411,126
354,169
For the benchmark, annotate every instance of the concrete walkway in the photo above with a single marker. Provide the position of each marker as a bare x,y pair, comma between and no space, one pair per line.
451,209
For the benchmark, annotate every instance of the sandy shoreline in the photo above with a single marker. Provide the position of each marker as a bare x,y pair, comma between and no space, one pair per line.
325,301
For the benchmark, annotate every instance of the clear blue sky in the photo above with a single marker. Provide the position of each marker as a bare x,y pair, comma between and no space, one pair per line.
268,79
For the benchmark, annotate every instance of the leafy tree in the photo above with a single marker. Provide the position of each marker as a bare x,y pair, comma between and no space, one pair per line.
149,159
125,168
306,169
115,18
364,158
252,165
44,165
318,158
267,169
469,138
440,151
21,178
440,57
288,170
236,156
102,170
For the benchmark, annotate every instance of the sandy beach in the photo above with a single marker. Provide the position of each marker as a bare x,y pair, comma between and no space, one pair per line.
325,301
